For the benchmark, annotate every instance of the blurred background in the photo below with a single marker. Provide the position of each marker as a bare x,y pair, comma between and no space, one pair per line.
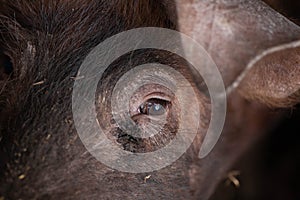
271,168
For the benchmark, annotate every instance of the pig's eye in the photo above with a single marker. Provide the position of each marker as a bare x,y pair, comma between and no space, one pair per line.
154,107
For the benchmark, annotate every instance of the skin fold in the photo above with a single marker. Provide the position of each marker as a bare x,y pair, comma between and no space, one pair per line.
45,42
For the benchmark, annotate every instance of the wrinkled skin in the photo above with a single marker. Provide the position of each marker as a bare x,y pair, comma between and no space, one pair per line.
42,156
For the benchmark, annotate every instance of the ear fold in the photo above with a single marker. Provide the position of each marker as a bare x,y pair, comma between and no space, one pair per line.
256,49
273,77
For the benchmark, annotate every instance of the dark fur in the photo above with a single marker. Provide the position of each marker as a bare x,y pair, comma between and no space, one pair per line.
46,41
41,155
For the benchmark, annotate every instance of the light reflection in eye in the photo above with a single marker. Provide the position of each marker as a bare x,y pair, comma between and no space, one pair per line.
153,107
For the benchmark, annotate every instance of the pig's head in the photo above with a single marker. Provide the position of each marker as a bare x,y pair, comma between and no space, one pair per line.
43,45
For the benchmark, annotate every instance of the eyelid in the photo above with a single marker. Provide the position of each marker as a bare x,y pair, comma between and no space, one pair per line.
164,103
157,95
147,92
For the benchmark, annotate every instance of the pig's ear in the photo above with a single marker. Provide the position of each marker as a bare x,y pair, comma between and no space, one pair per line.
273,77
256,49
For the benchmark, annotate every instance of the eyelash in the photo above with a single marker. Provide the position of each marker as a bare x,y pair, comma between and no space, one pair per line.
153,107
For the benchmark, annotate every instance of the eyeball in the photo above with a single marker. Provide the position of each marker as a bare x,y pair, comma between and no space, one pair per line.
154,107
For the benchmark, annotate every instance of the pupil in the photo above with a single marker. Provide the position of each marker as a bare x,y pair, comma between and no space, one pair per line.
153,107
156,109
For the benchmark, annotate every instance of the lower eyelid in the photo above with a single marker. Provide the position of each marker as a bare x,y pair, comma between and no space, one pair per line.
140,118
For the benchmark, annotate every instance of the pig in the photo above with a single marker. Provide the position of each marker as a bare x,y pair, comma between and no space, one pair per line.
44,43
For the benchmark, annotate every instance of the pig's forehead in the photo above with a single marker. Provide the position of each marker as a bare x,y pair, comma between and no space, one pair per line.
233,33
